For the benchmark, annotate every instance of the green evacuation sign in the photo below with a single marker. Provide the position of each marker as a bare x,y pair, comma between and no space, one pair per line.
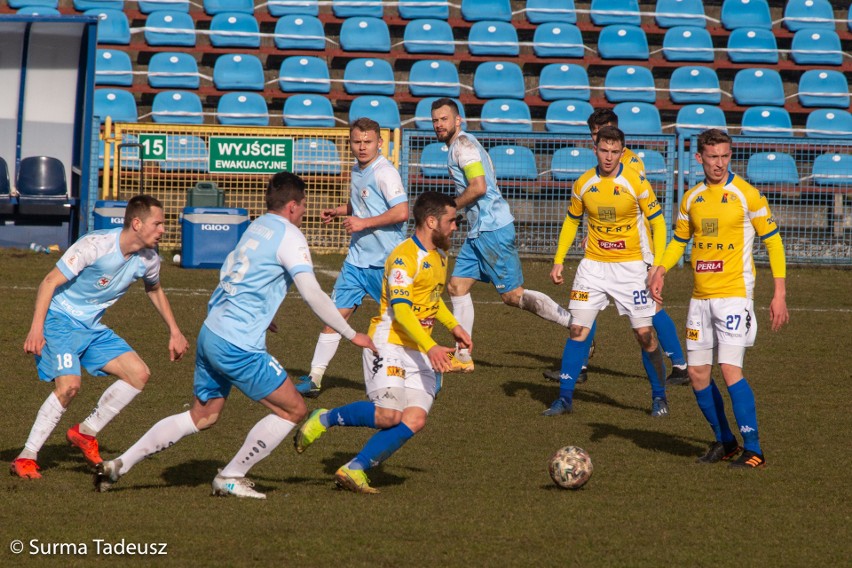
243,155
153,147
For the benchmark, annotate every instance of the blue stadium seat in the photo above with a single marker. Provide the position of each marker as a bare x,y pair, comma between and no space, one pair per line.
213,7
365,34
414,9
304,74
817,47
429,36
116,103
490,37
423,113
569,164
173,70
746,14
84,5
234,29
476,10
513,162
315,156
558,39
177,107
849,18
695,119
308,111
38,11
638,118
752,45
113,67
278,8
695,85
238,72
758,87
498,79
299,32
542,11
568,116
609,12
655,164
433,160
629,83
563,81
772,168
505,115
353,8
684,43
113,27
41,176
799,14
671,13
623,42
381,109
148,6
18,4
823,88
370,76
5,184
833,169
185,153
766,121
242,109
433,79
169,28
829,123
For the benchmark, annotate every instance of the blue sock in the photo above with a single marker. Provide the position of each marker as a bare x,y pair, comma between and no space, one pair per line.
727,435
667,334
361,413
655,368
573,355
381,446
714,411
742,399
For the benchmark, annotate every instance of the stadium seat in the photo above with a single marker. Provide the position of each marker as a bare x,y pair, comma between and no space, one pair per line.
213,7
513,162
19,4
493,38
172,70
655,164
563,81
113,67
6,186
432,79
772,168
498,79
542,11
242,109
365,34
849,18
609,12
234,29
115,103
671,13
746,14
758,87
41,176
38,11
638,118
629,83
353,8
505,115
169,28
683,43
299,32
84,5
148,6
113,27
817,47
558,39
185,153
568,116
477,10
428,36
423,113
623,42
833,169
304,74
308,111
694,85
278,8
695,119
238,72
569,164
766,121
371,76
812,14
177,107
433,160
752,45
315,156
415,9
823,88
381,109
829,123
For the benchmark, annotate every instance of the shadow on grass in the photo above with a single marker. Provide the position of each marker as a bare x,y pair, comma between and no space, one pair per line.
54,455
547,391
378,477
650,439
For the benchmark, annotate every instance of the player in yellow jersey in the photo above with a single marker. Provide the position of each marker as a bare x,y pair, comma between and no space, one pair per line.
617,201
403,380
722,215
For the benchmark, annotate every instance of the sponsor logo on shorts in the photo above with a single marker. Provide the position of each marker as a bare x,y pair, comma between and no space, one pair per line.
396,372
579,295
612,245
709,265
691,334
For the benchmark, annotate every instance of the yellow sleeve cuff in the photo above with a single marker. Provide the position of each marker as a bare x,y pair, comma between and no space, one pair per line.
566,237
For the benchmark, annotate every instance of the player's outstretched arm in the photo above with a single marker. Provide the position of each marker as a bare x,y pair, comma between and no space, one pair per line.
327,215
178,345
34,342
322,306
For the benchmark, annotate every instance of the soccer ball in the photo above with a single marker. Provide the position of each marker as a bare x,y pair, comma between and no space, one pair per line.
570,467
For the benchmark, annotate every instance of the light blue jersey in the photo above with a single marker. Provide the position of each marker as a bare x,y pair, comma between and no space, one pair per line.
98,275
254,280
490,212
374,190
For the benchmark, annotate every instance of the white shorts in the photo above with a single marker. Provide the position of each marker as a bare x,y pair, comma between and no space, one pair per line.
399,370
624,282
720,321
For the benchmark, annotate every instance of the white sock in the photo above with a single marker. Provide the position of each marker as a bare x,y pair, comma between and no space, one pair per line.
260,442
463,312
543,306
46,420
327,345
163,434
115,398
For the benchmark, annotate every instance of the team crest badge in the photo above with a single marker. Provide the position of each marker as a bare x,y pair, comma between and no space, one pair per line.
103,281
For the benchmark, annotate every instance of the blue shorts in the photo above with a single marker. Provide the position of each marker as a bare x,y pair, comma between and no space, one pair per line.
354,283
491,257
219,365
70,345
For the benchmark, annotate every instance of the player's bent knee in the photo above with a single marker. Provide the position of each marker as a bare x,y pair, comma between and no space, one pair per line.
66,393
415,423
387,417
206,421
513,297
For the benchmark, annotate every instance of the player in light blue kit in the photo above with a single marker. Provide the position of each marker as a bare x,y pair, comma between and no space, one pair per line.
231,351
67,334
489,253
375,216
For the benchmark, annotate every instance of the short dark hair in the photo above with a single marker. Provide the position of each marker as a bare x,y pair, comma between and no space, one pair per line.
445,102
365,124
139,207
609,134
712,137
431,204
283,188
602,117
